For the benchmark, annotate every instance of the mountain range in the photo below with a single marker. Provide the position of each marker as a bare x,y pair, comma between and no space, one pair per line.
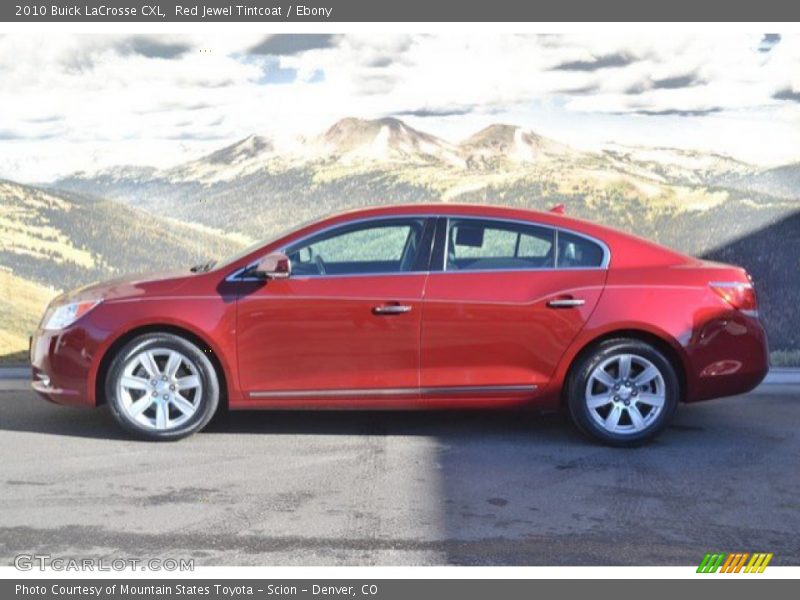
55,240
701,203
359,162
362,142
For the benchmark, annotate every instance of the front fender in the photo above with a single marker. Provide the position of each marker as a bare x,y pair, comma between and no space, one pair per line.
209,321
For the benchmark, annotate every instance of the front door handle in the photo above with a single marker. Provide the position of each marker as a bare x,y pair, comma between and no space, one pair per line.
566,303
391,309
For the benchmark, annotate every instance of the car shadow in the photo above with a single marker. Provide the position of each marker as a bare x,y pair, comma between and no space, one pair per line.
23,411
384,423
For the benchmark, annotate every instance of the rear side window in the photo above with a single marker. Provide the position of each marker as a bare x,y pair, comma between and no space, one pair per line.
479,245
575,252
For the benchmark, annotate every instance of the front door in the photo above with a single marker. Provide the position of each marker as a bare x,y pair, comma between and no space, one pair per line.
346,325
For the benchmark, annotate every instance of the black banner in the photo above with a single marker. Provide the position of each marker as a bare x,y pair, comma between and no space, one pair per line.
406,11
389,589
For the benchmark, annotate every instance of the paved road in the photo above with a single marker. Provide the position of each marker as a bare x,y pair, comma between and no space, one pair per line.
401,488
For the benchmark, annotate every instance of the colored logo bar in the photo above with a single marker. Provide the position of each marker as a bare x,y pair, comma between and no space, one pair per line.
735,562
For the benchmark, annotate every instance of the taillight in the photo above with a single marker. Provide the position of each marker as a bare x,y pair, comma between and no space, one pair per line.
740,295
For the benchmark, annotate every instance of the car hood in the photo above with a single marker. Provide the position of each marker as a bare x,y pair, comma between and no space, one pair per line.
129,286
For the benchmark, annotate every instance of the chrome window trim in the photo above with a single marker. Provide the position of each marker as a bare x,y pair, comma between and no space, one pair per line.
730,284
555,228
603,246
235,276
356,222
405,391
446,249
555,250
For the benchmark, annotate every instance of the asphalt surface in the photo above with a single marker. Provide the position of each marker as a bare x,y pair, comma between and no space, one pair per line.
388,488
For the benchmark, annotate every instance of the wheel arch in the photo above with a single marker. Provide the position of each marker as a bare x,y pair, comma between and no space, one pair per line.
668,349
194,338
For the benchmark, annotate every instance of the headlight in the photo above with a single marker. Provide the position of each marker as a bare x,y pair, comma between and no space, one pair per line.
66,314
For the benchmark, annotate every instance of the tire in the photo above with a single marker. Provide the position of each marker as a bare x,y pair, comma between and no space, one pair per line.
162,387
618,410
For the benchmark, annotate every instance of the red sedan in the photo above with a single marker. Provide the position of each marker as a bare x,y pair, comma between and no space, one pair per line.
425,306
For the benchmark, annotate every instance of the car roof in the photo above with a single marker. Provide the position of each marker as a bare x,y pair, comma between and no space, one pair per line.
552,219
455,209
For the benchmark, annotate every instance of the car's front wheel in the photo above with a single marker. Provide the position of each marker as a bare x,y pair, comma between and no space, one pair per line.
162,387
623,392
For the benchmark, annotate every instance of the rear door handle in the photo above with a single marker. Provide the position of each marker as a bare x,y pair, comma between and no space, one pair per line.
566,303
391,309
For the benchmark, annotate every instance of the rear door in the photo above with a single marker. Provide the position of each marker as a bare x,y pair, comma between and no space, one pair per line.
507,300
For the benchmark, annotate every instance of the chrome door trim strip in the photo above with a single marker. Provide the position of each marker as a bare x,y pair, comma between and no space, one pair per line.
478,389
433,391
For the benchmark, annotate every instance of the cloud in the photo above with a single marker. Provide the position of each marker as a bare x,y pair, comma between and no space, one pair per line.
10,134
787,94
375,84
151,47
580,90
769,41
379,62
291,44
675,82
434,112
173,106
679,81
194,136
46,119
120,87
609,61
676,112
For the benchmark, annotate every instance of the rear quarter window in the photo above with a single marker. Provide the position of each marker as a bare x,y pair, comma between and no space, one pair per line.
575,251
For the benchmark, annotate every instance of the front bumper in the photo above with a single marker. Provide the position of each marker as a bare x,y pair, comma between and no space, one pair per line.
61,362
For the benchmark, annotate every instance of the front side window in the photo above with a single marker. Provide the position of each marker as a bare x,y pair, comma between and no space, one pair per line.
478,245
384,246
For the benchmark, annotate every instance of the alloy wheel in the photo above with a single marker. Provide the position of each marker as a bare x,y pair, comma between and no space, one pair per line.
160,389
625,394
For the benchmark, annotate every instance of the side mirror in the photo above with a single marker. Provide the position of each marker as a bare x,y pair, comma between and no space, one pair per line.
274,266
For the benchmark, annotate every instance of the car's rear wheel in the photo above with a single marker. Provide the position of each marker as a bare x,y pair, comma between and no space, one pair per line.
623,392
162,387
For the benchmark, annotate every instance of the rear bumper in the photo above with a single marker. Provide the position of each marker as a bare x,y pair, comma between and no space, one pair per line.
60,366
729,356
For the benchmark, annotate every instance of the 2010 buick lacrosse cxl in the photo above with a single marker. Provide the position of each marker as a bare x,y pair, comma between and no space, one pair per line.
413,307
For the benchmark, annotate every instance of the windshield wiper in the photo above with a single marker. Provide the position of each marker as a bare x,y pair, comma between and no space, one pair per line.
203,267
